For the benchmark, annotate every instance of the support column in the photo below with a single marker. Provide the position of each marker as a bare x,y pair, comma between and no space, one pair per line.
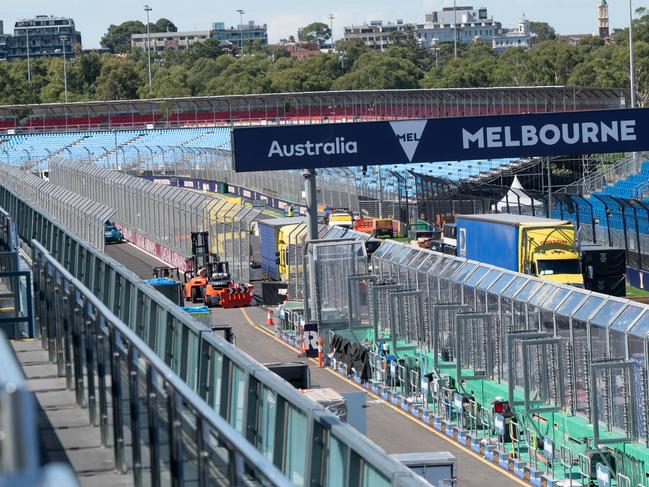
311,204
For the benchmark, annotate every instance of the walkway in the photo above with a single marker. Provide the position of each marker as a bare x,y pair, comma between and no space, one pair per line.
65,431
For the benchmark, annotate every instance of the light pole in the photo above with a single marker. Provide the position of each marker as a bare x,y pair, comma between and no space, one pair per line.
29,65
631,63
331,23
455,28
241,13
148,9
65,68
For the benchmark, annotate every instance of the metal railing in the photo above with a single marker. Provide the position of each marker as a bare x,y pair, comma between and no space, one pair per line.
83,216
19,439
159,429
165,214
268,412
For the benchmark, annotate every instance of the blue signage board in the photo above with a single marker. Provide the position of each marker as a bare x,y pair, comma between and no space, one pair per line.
440,139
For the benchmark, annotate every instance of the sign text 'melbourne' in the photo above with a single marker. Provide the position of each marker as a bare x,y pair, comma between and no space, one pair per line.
550,134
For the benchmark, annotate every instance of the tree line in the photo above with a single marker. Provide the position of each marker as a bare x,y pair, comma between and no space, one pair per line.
207,69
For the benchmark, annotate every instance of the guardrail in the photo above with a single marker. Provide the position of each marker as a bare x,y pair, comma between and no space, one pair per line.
268,412
135,398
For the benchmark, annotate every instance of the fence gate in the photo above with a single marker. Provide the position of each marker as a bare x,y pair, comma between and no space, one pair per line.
407,323
442,322
515,356
474,345
543,374
613,399
379,308
360,289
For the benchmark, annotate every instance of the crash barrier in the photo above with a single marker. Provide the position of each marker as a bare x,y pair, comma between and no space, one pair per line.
165,215
266,411
211,186
83,216
336,187
19,439
518,368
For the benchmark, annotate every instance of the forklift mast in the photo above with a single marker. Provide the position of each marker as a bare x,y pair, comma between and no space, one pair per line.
201,256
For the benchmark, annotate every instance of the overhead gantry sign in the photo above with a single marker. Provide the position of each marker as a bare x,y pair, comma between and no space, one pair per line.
441,139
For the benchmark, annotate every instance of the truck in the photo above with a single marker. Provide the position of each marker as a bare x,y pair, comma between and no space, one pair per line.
376,227
540,247
275,235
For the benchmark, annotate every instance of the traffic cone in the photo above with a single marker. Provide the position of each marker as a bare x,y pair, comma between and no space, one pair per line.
269,318
320,345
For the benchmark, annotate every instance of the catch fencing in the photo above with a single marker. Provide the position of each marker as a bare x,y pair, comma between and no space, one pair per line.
84,216
167,215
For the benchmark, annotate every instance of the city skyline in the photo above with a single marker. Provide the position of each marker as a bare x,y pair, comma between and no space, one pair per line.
284,17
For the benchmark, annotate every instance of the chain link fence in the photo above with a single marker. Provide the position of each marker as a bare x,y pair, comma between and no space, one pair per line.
164,214
82,215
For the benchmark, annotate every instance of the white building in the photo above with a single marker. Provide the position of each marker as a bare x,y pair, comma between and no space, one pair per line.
163,41
517,37
376,34
465,22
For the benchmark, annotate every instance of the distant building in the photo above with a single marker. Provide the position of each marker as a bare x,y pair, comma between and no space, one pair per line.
574,39
376,34
44,35
301,50
465,22
241,34
164,41
602,18
518,37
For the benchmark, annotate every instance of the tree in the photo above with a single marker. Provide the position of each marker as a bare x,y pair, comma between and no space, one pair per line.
542,32
119,80
315,73
165,25
118,37
349,50
378,71
315,32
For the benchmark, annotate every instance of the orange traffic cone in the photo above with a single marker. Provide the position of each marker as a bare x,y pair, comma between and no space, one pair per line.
269,318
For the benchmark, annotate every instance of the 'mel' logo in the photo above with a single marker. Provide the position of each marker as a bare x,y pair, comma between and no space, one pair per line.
411,137
409,134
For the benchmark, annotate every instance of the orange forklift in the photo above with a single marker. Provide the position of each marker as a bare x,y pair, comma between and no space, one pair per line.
210,280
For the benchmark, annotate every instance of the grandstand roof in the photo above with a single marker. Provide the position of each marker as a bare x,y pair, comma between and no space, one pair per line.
562,97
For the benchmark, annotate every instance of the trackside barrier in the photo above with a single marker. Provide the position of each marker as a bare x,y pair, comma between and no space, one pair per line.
83,216
239,389
165,215
19,438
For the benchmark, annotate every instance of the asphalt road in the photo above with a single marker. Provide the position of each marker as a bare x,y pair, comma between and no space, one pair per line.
389,427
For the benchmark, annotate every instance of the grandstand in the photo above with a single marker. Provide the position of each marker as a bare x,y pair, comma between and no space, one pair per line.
317,107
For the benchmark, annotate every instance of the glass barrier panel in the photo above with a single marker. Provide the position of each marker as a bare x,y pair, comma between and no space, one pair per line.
295,446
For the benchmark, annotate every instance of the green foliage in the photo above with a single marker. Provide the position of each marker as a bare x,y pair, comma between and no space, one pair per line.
542,32
207,69
118,37
315,32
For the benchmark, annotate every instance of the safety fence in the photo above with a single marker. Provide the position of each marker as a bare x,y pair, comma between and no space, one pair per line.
19,439
266,411
542,378
82,215
166,215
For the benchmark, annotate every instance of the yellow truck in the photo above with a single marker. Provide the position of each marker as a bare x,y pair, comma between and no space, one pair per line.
540,247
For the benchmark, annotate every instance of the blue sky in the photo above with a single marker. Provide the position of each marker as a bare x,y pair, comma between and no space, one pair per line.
285,16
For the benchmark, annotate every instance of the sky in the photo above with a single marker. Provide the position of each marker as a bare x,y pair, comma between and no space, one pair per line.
283,17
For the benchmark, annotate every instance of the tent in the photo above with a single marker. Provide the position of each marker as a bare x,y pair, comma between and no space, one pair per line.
518,201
